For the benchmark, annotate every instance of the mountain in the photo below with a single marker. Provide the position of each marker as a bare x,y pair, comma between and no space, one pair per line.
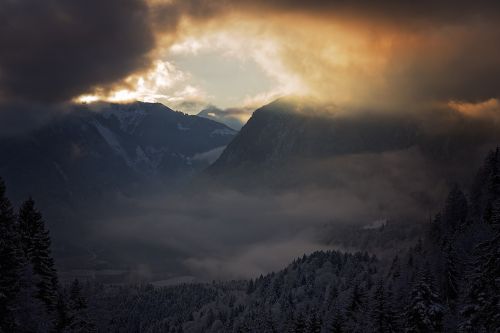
105,147
289,132
287,129
233,117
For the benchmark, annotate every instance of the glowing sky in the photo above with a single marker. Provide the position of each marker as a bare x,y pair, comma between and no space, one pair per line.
226,67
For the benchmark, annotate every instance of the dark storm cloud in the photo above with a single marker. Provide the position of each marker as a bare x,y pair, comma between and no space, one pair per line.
54,50
428,12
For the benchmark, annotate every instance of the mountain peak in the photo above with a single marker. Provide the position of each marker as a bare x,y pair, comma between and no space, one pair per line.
301,128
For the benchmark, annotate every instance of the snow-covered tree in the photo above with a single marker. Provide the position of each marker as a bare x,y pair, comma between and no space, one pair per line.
382,316
425,311
481,309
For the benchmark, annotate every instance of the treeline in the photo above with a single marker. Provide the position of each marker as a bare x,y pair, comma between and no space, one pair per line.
31,298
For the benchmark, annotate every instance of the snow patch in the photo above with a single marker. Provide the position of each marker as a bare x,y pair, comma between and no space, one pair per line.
209,156
222,131
113,142
129,119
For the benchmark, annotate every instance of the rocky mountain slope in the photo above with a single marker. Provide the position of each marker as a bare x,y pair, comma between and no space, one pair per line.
108,147
288,133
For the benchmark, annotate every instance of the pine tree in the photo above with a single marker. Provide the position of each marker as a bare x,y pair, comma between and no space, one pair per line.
495,217
337,322
455,211
486,188
36,246
77,301
395,269
29,312
10,261
481,311
251,287
382,315
313,323
63,319
300,324
424,313
78,314
450,273
355,308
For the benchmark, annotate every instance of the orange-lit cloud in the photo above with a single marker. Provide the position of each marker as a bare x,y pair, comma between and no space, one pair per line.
485,109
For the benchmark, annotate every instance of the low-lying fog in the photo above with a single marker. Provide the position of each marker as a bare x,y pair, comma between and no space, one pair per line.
207,231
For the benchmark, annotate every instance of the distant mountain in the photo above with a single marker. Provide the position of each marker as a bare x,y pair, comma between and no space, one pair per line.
290,131
234,118
108,147
287,129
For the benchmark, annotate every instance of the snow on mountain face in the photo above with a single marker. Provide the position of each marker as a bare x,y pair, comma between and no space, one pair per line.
109,146
112,141
148,133
128,117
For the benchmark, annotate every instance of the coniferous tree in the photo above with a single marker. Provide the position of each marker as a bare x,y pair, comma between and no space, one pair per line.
450,272
395,270
300,324
382,316
481,311
63,319
486,188
77,300
29,312
424,313
337,322
495,217
10,261
313,323
79,320
251,287
36,246
355,309
455,210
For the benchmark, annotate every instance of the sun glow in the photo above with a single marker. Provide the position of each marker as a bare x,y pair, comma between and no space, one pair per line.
164,82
